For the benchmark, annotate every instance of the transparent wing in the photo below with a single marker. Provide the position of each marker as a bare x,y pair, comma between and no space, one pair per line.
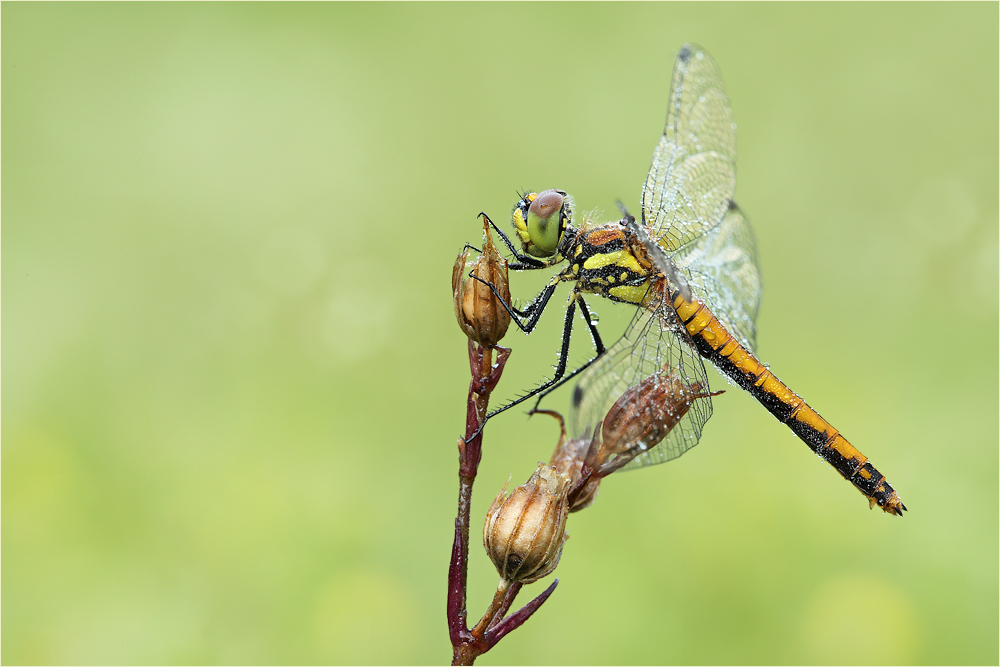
723,272
655,345
693,175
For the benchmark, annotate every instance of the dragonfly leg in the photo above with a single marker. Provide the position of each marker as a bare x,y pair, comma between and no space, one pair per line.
560,377
598,351
560,365
524,261
533,311
592,326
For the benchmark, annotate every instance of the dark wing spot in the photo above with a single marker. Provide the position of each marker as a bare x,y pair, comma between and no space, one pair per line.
684,54
732,205
577,396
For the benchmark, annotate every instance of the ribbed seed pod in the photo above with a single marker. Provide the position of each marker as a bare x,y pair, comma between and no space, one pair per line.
480,314
524,533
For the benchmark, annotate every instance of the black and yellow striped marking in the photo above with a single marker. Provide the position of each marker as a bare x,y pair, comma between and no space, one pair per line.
715,343
605,264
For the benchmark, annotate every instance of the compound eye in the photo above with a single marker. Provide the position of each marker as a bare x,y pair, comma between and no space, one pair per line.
544,226
546,203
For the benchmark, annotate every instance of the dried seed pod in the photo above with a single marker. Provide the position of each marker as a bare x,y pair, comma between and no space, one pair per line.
568,458
524,533
643,416
480,314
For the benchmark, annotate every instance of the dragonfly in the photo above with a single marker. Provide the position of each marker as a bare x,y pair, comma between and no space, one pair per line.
690,269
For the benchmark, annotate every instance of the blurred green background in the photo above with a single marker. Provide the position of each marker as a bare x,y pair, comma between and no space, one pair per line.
232,380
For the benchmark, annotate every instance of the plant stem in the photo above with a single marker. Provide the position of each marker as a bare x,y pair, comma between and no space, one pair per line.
485,375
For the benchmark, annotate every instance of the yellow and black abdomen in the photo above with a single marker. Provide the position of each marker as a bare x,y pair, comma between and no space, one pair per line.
716,344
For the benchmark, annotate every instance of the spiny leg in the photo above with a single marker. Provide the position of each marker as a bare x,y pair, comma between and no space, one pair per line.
524,262
598,351
533,311
559,377
560,366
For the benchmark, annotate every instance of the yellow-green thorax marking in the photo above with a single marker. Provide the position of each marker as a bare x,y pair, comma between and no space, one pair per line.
607,259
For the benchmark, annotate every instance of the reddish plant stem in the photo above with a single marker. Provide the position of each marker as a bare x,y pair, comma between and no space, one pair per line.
485,375
467,644
492,610
508,600
514,621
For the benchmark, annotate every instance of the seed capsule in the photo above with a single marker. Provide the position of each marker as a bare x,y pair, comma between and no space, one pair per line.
576,452
569,458
643,416
480,314
524,533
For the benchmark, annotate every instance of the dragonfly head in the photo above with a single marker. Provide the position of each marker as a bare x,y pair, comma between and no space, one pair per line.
541,220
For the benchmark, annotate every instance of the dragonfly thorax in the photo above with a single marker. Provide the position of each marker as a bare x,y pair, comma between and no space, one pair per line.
541,220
